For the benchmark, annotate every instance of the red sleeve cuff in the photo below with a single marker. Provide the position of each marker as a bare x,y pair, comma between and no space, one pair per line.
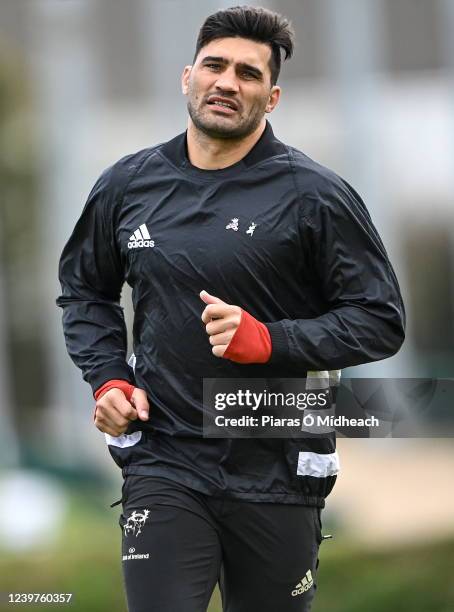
251,342
123,385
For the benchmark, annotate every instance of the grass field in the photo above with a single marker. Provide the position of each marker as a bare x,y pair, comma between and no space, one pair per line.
85,562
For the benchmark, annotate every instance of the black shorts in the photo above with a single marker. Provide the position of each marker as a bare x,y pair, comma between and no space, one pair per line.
178,543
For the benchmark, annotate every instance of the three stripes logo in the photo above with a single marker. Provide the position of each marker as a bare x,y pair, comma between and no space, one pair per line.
140,238
304,585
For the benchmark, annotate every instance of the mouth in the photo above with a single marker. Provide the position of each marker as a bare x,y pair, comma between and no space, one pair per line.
222,105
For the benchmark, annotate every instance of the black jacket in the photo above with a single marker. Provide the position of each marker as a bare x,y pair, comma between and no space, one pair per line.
314,270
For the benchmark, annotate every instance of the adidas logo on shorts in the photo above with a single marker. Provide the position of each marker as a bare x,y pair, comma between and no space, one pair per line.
304,585
140,238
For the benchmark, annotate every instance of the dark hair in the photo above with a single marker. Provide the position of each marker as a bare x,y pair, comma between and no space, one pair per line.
256,23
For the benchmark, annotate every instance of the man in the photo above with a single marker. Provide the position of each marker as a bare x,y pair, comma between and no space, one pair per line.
246,259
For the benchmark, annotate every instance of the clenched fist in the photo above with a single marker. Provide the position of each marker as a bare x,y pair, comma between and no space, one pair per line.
118,406
221,322
233,333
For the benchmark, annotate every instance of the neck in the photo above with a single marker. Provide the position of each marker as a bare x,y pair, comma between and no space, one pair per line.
209,153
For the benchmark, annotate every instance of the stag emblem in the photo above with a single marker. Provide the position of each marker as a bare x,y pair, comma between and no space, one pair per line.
233,225
135,522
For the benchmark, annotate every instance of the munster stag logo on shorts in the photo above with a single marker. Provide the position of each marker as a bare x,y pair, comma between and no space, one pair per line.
251,228
233,225
304,584
140,238
135,522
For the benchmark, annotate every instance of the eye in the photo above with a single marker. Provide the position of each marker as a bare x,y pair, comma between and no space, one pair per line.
213,66
248,75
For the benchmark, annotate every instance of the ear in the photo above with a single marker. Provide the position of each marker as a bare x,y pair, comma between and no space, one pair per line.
275,95
185,80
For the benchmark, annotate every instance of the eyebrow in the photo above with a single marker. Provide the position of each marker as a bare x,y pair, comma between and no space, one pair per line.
243,65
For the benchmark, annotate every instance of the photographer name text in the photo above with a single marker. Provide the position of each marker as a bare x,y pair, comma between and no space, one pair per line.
308,420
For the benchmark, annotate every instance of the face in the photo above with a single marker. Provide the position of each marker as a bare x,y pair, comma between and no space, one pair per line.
229,87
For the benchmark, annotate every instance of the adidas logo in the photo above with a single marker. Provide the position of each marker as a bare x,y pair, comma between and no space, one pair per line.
140,238
304,585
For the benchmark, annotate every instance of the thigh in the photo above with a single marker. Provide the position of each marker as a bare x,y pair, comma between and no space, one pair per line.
170,548
270,557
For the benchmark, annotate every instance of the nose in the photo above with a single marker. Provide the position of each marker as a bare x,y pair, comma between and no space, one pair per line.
227,81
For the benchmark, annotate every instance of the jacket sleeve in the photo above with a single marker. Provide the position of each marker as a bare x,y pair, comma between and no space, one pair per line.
91,274
364,315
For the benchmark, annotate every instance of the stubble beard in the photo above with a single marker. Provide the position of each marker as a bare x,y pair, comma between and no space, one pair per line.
219,128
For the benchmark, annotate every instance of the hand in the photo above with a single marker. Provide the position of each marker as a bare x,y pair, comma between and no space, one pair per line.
221,322
234,333
113,412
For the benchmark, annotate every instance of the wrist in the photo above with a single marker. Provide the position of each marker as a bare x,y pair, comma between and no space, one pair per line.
251,342
123,385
